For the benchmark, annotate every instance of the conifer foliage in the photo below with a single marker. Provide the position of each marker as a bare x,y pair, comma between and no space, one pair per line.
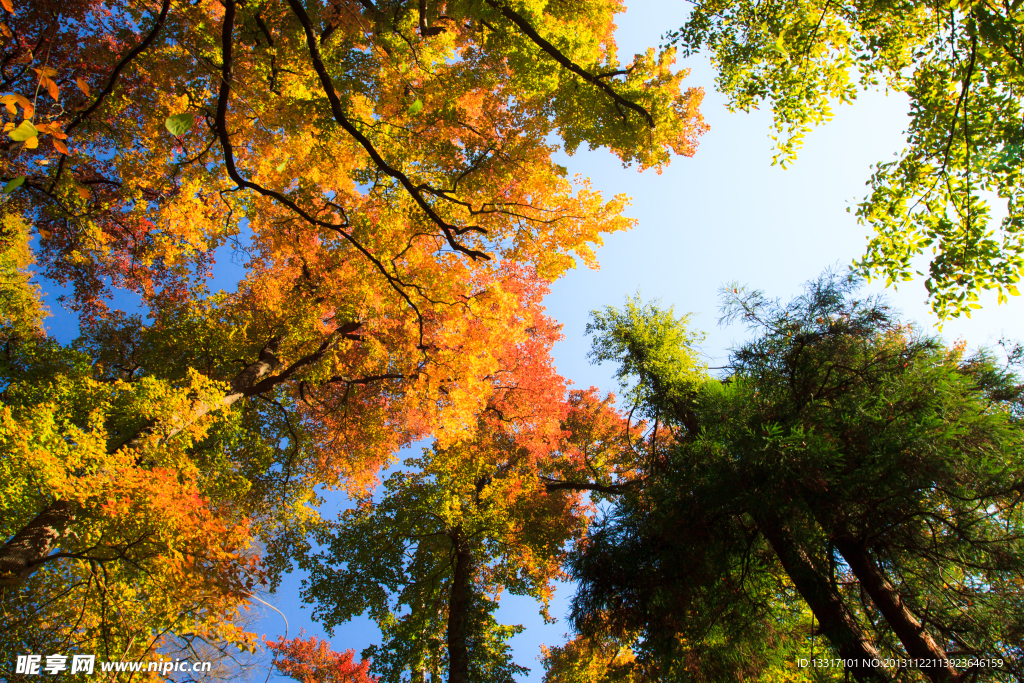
847,465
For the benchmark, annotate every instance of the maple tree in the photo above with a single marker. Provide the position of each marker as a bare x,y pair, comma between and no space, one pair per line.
960,65
428,557
151,549
313,661
384,172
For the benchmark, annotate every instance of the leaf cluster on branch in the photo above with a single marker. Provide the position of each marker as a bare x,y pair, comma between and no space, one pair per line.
961,65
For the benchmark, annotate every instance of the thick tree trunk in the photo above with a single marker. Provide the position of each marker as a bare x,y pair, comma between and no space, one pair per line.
29,548
836,621
917,642
458,611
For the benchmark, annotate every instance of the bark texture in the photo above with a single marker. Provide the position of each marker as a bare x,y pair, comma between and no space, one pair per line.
917,642
458,611
836,621
28,549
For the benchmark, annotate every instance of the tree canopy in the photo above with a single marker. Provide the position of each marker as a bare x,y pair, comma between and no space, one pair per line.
959,63
382,172
846,465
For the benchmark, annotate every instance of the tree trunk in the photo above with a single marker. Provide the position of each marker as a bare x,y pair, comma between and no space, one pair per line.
916,641
458,611
29,548
836,621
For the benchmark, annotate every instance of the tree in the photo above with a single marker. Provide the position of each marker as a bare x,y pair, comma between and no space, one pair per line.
455,528
584,659
960,65
847,463
152,548
313,661
383,170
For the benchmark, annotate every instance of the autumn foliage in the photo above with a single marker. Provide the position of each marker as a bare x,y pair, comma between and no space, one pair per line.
313,661
382,175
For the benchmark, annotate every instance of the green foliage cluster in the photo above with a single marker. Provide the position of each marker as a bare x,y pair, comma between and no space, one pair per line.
654,350
430,558
960,63
845,463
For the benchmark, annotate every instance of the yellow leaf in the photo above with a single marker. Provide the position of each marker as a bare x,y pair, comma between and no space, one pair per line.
24,131
32,142
14,98
53,129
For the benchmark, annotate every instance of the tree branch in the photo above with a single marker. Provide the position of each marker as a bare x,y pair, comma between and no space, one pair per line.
450,231
524,26
132,54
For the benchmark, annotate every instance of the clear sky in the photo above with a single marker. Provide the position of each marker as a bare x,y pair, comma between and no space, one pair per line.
724,215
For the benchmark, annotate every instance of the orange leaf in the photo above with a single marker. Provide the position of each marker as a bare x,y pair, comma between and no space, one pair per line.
10,100
51,88
60,147
82,85
52,129
8,6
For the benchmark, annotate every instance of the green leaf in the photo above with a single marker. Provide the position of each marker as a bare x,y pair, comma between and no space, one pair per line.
780,45
281,166
179,124
24,131
416,106
14,184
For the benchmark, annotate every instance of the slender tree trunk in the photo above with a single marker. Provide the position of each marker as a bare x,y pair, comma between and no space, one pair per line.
917,642
417,672
458,611
836,621
29,548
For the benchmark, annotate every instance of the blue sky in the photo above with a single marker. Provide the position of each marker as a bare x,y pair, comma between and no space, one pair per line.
724,215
